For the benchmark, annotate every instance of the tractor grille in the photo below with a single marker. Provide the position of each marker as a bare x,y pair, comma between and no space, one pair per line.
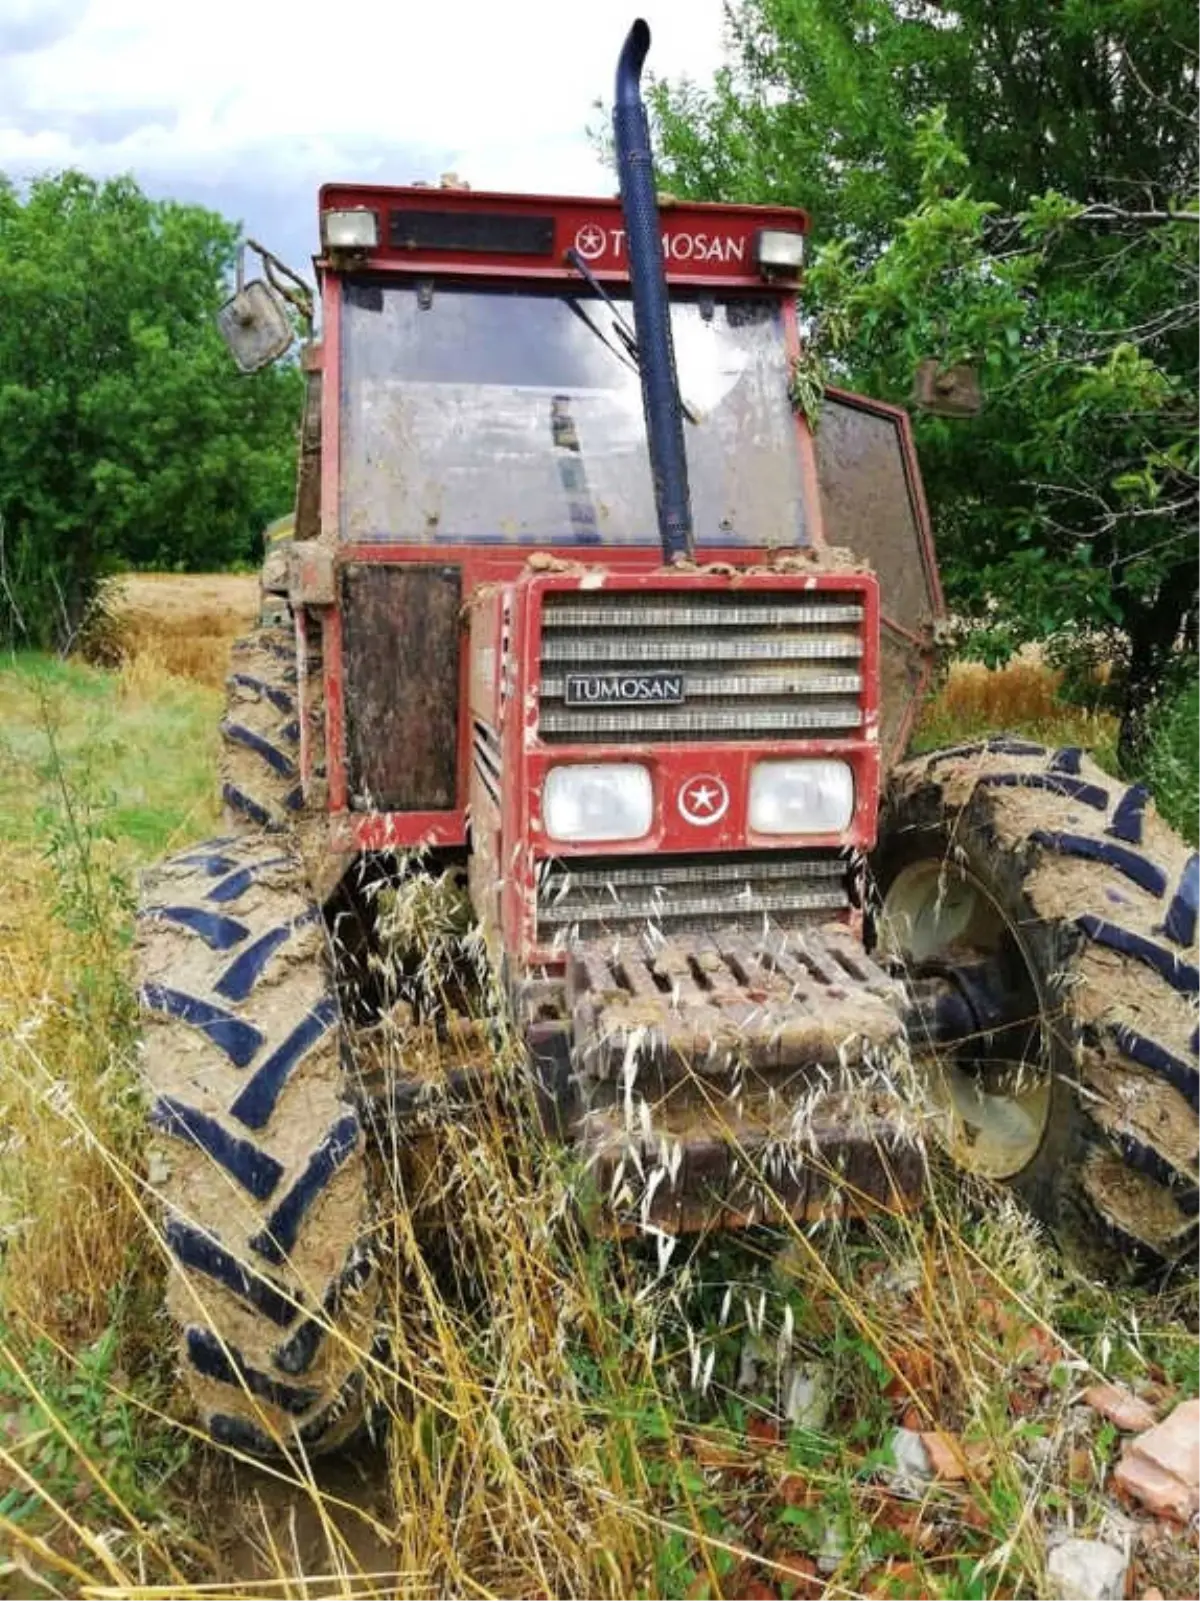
590,896
732,666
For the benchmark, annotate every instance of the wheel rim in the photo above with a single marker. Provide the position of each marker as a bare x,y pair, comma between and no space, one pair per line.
991,1094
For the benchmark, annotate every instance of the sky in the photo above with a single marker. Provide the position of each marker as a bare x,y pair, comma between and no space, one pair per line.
247,106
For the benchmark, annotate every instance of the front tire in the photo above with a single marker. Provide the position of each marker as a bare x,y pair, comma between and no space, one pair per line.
256,1158
1070,883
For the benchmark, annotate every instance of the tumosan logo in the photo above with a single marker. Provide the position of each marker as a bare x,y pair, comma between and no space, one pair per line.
623,689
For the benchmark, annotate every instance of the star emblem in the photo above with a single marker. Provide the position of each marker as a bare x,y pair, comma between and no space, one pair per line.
703,800
591,241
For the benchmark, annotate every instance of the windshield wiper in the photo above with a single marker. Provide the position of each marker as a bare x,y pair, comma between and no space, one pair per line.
620,326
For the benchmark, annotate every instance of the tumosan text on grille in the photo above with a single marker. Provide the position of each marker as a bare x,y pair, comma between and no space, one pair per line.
620,689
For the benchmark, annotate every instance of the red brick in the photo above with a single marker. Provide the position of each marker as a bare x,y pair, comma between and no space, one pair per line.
1120,1406
1161,1468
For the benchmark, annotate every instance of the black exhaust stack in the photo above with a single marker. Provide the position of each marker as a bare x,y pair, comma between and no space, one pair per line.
651,310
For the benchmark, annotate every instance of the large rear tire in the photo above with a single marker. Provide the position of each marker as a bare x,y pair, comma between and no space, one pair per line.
257,1158
1068,879
260,734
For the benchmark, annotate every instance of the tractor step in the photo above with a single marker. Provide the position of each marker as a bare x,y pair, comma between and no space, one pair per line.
728,1080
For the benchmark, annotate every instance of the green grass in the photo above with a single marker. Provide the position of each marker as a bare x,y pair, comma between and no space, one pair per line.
144,749
99,772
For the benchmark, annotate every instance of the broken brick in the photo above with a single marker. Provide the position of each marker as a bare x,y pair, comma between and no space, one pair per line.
718,1454
1120,1406
1161,1468
796,1490
1079,1466
747,1583
894,1579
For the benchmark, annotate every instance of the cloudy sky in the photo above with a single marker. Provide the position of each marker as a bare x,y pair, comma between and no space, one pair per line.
247,105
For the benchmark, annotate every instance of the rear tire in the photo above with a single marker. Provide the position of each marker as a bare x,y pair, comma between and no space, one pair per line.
256,1157
1092,901
260,734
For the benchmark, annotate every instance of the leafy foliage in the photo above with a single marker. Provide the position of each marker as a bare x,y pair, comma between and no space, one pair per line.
127,437
1170,762
999,185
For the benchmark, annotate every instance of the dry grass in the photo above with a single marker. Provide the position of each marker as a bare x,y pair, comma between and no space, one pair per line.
98,772
975,700
184,624
569,1416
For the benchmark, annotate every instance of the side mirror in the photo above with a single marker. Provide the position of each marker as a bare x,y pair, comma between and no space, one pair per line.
255,326
947,392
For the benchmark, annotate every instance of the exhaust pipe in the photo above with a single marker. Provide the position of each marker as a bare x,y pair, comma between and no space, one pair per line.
651,310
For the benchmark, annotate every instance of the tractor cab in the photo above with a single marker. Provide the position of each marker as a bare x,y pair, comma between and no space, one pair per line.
490,388
513,654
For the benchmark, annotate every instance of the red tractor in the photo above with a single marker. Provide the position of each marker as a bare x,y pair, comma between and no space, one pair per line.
587,617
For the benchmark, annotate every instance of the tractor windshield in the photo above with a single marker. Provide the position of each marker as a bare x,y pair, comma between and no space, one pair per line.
475,415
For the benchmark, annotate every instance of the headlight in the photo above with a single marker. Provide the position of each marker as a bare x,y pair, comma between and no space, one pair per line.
350,230
598,800
801,797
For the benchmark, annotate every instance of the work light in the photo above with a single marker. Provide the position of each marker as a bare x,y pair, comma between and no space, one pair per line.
350,230
778,251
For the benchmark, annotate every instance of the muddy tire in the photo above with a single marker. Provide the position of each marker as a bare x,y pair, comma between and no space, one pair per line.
260,734
256,1158
1091,901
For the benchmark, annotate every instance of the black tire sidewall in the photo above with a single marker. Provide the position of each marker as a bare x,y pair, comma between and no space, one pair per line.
918,829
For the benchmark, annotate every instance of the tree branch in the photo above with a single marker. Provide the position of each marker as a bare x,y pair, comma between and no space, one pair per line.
1102,211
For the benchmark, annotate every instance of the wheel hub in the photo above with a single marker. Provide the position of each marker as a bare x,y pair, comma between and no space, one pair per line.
976,1016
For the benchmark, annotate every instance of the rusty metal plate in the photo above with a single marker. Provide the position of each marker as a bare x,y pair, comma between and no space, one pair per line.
732,1162
401,637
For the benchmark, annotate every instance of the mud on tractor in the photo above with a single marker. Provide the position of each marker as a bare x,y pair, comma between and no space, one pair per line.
582,613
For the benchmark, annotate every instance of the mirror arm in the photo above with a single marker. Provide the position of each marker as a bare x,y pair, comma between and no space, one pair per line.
300,297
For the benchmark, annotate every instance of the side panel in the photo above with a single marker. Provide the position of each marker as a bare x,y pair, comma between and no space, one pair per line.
484,868
873,505
401,641
308,480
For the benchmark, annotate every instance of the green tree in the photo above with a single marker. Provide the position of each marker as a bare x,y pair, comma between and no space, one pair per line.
998,182
127,437
820,98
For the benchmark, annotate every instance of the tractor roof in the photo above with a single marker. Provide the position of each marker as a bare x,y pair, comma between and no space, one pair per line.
461,231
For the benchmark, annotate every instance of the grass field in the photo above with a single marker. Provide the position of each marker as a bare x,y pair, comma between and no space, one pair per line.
568,1416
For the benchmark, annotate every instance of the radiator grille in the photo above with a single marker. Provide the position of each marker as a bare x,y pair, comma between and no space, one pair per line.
751,665
590,896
